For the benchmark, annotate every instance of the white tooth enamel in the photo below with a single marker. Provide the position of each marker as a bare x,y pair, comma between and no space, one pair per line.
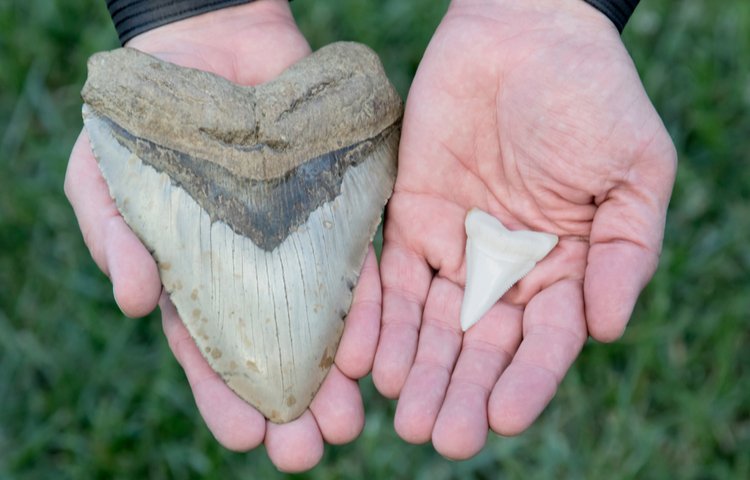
496,258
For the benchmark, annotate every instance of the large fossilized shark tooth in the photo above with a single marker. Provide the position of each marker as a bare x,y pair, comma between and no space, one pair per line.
257,203
496,258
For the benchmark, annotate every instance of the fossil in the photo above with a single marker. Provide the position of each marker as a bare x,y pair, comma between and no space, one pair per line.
496,258
258,203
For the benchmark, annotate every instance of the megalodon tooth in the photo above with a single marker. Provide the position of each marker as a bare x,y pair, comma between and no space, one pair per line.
258,203
496,258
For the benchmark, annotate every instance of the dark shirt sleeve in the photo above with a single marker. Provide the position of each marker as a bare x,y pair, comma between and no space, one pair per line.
132,17
619,11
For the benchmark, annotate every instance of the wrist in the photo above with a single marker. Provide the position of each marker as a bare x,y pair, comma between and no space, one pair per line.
216,27
617,11
536,14
134,17
247,43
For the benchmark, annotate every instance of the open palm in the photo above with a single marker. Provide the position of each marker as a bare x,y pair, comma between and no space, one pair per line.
533,112
249,45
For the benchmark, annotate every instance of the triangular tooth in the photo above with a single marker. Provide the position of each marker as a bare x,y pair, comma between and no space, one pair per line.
496,258
258,203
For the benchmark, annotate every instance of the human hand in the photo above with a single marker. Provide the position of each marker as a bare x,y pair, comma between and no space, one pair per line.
532,111
248,44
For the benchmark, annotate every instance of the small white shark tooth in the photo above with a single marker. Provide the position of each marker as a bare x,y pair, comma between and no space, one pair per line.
496,258
258,203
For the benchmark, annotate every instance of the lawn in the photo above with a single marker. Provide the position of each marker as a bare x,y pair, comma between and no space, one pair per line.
87,393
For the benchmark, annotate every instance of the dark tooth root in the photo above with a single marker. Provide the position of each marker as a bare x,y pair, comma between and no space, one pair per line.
264,211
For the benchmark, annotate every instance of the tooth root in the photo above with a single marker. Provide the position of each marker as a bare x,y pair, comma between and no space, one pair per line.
496,258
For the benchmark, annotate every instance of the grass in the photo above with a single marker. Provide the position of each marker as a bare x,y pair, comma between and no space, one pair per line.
86,393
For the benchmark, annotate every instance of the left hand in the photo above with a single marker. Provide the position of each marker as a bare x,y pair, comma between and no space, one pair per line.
534,112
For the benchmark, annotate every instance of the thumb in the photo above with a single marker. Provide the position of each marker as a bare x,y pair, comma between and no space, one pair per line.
626,238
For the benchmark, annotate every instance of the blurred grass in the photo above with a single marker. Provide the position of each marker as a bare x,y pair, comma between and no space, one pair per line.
85,393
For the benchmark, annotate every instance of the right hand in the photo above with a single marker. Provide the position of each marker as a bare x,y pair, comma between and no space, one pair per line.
247,44
532,111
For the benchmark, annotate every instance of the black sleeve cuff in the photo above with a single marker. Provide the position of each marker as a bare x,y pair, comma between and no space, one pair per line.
132,17
619,11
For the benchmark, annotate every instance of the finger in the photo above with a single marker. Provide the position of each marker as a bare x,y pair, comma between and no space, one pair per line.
295,446
615,276
626,238
234,423
461,428
406,280
338,408
362,327
554,333
114,247
439,344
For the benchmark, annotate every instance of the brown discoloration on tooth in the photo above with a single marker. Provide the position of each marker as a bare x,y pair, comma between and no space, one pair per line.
252,366
325,361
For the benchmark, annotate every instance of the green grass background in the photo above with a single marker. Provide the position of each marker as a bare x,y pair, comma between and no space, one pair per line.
86,393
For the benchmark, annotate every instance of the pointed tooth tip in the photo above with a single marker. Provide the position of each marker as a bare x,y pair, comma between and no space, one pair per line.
467,323
468,317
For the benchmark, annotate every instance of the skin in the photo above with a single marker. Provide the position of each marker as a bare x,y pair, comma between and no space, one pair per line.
532,111
248,44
